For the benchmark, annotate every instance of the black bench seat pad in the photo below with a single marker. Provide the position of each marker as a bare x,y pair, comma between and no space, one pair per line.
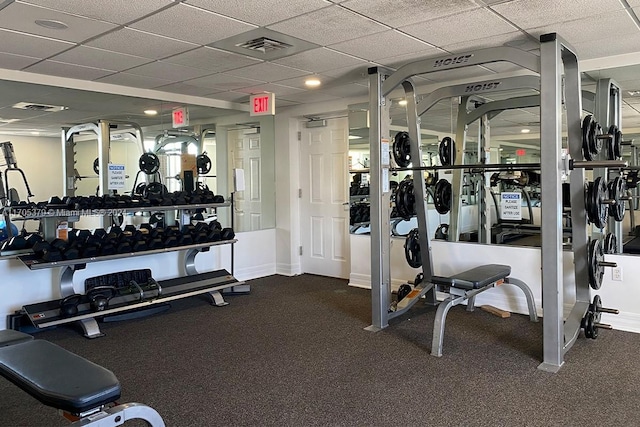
11,337
57,377
475,278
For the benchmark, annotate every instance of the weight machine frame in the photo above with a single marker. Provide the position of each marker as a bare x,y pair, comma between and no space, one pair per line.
558,335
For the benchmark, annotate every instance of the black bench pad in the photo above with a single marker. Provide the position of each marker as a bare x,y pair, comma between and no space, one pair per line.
57,377
11,337
475,278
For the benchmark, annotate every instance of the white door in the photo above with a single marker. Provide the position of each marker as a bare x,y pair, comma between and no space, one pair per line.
324,216
248,203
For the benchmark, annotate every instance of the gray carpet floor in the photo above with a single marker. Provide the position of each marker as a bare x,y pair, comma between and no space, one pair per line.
294,353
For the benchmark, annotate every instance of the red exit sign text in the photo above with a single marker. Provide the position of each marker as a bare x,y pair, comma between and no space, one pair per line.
262,104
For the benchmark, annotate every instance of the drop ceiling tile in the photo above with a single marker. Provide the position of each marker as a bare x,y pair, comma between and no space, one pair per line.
460,28
281,103
230,96
319,60
397,13
54,68
116,11
22,17
382,45
184,89
35,46
267,72
311,96
167,71
508,39
599,27
608,46
139,43
192,24
126,79
277,10
99,58
327,26
16,62
214,60
224,82
279,90
351,74
537,13
347,91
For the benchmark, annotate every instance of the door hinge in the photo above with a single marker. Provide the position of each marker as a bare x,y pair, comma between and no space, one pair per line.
299,135
299,193
300,250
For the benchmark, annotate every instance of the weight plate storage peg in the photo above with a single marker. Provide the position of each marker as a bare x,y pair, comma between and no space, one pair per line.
442,196
401,149
149,163
405,200
412,249
447,151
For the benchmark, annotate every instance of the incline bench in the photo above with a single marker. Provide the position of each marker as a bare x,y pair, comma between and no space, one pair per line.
84,391
464,287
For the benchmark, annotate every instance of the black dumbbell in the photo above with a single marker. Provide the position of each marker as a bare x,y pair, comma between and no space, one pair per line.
72,252
100,233
154,243
146,226
90,250
139,245
51,254
32,239
188,229
215,225
227,233
218,198
185,240
214,235
130,228
16,243
124,247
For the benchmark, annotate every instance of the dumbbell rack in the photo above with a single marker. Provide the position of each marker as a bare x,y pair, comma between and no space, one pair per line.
214,283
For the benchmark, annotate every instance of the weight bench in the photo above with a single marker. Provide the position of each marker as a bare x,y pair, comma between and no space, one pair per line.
464,287
83,391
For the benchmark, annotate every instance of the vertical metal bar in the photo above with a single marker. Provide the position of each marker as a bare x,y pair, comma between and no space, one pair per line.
551,215
419,187
103,156
484,210
380,233
68,162
456,179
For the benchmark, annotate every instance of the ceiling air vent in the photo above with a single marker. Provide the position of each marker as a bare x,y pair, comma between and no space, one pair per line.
32,106
264,45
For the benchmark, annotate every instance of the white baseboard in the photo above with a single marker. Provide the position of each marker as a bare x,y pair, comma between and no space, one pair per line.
288,269
255,271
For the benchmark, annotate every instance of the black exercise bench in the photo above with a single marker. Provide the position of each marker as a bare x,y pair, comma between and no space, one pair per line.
464,287
58,378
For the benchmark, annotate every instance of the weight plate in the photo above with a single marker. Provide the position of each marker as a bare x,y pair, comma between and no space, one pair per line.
149,163
601,209
596,271
96,166
617,145
442,196
586,126
615,142
401,149
610,244
617,188
405,200
447,151
589,328
595,143
412,249
203,164
595,307
418,279
403,291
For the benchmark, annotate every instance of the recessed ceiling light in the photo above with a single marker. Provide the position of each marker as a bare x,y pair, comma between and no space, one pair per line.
51,25
150,112
634,92
354,137
525,130
500,149
402,102
35,132
312,82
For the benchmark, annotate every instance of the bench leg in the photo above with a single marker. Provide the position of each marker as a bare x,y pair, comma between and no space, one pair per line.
471,303
119,414
533,315
438,324
91,328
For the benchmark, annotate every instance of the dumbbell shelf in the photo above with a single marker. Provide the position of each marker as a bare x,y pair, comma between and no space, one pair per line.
34,263
47,314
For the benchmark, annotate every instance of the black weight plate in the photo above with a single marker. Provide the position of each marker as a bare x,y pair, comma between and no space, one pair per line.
586,126
596,271
617,188
403,291
588,325
610,243
96,166
447,151
203,163
412,249
617,145
595,143
612,141
595,307
149,163
405,200
601,210
401,149
442,196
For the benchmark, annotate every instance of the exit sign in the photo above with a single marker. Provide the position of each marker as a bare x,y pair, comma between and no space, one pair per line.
180,117
262,104
521,152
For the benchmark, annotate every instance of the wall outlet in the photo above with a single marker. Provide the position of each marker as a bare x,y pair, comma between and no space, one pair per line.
616,274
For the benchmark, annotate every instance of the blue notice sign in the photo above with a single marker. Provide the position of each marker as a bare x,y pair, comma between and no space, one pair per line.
116,177
511,206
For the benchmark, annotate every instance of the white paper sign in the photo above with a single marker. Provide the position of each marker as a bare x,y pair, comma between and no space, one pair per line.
116,177
384,154
511,206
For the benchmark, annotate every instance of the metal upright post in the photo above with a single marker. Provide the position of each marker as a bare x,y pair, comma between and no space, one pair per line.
104,142
456,177
551,212
379,194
